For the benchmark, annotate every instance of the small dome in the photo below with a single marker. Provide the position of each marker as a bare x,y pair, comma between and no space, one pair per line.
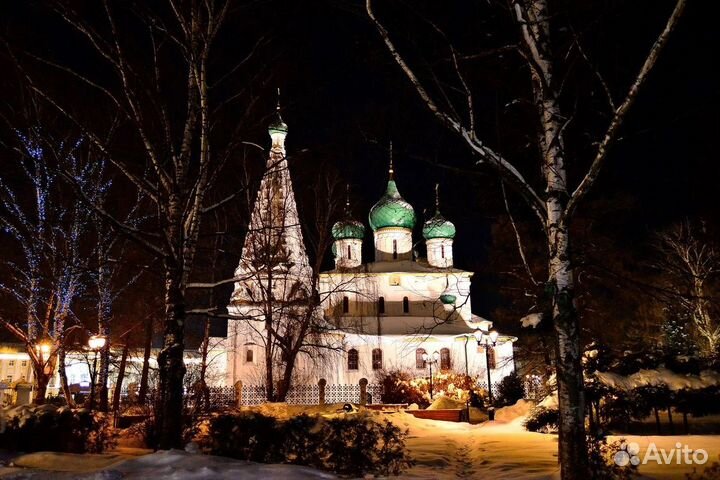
392,210
448,299
348,228
277,126
438,227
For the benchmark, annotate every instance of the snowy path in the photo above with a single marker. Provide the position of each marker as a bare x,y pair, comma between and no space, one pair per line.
505,451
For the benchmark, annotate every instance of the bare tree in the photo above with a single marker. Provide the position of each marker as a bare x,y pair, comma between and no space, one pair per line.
690,264
146,49
556,205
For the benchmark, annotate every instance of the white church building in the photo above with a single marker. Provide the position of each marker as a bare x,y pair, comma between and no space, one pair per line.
395,311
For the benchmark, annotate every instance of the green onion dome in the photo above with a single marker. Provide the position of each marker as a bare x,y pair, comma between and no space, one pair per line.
277,125
348,228
438,227
392,210
448,299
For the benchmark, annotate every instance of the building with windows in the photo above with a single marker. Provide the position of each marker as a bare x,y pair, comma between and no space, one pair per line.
396,311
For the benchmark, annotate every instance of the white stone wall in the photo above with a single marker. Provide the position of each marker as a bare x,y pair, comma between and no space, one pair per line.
440,252
393,243
348,253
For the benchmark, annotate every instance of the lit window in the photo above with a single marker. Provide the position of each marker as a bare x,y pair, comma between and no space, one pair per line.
11,363
377,359
381,305
406,305
346,305
419,360
24,363
445,359
353,359
248,356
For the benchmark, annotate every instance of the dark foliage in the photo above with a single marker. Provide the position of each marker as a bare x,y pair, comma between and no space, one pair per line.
510,390
543,420
349,445
601,460
58,430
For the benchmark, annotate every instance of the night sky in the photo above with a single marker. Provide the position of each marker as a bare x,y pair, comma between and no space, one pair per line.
345,99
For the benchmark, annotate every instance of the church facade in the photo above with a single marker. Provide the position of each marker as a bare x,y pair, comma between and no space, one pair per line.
393,312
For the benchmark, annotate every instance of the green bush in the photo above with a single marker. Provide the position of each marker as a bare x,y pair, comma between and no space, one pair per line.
349,445
543,420
57,430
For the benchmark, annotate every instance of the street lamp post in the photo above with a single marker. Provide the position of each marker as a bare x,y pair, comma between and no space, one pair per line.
430,360
488,340
96,343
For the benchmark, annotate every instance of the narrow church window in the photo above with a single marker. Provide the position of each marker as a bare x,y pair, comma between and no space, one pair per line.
381,305
445,359
442,251
406,305
394,249
248,356
492,361
353,359
346,305
419,361
377,359
349,253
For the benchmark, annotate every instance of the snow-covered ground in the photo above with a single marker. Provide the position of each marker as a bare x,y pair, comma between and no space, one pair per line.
442,450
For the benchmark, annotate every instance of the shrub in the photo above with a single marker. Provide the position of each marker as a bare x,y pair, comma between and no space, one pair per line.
47,428
601,459
543,420
398,388
711,472
349,445
510,390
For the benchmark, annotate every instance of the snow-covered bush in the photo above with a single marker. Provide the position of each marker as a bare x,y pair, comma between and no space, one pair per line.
510,390
711,472
32,428
398,388
349,445
601,460
542,419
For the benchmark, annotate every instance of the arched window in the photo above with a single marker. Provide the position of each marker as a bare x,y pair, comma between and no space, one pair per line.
377,359
349,255
445,359
353,359
419,361
394,249
406,305
492,362
381,305
346,305
248,356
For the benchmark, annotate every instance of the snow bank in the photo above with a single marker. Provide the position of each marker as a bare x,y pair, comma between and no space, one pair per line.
514,412
24,413
446,403
674,381
168,465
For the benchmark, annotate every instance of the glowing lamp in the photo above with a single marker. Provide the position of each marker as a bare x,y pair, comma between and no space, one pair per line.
96,342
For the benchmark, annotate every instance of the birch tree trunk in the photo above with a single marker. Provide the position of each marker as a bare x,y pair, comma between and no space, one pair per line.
147,350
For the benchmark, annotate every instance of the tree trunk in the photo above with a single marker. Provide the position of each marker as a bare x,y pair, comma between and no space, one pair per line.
204,390
142,396
63,378
41,383
286,382
169,406
672,425
657,420
119,382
